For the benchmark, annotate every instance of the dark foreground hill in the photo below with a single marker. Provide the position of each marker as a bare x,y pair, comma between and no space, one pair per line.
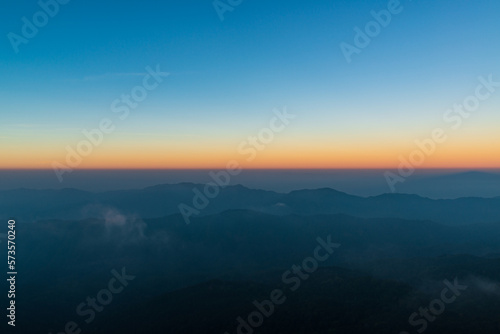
331,300
393,255
199,278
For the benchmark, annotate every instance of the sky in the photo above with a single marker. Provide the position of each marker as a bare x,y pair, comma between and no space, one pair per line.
222,82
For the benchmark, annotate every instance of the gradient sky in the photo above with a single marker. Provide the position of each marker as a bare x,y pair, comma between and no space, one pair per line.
226,77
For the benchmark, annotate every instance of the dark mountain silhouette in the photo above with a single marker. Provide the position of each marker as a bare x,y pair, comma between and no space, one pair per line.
163,200
395,252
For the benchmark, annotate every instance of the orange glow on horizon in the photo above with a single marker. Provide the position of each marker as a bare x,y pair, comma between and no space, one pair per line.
291,154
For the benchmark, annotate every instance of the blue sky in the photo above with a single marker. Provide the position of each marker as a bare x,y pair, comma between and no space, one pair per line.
227,76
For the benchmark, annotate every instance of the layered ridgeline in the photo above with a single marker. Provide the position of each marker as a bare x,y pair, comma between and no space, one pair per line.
127,262
194,200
